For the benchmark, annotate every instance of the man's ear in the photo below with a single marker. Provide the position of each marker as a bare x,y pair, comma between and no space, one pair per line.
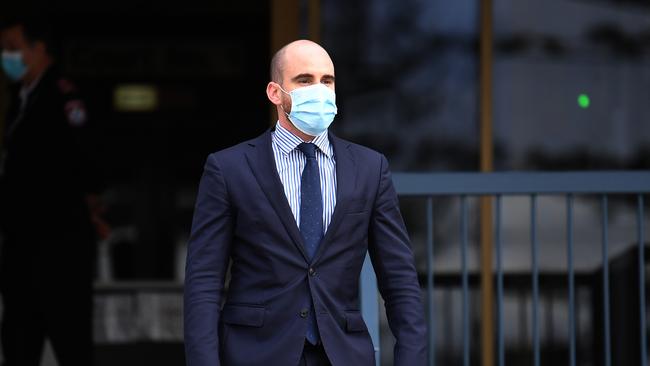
273,92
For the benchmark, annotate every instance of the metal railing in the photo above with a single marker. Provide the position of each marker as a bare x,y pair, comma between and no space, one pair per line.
533,185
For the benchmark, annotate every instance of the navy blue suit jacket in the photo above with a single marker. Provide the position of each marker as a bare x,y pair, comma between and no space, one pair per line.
242,215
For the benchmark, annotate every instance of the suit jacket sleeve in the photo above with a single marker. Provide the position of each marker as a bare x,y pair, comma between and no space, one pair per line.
392,258
207,262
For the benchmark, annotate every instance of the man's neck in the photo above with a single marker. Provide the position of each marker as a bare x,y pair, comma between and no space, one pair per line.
287,125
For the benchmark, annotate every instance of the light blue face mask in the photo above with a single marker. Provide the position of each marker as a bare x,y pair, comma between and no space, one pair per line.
13,65
313,108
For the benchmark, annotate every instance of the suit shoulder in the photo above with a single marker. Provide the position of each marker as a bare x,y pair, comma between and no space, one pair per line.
366,150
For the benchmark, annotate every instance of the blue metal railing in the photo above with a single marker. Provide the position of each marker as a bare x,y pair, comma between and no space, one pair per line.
532,185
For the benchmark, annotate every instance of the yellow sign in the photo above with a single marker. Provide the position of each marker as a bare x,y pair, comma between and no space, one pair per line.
135,98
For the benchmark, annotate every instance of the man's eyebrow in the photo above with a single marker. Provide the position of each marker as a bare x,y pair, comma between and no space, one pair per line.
329,77
302,76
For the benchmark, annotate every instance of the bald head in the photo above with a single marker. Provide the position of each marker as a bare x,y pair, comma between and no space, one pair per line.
299,64
299,52
277,65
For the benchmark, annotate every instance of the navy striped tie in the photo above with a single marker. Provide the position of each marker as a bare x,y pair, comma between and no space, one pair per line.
311,218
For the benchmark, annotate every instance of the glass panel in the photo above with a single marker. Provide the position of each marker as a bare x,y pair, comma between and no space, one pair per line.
571,84
407,79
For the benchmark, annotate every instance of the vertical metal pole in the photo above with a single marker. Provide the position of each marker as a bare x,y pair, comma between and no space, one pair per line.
533,239
487,165
485,94
285,27
314,20
642,322
605,240
430,298
572,310
501,347
285,22
466,329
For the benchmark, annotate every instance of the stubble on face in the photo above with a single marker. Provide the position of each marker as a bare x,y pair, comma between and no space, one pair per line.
286,102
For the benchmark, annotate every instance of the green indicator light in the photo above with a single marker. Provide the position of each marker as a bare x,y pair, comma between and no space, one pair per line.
584,101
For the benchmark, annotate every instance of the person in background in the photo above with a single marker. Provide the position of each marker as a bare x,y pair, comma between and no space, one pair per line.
48,204
295,210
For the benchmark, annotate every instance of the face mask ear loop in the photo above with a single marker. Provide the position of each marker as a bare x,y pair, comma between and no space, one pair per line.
289,94
285,112
285,92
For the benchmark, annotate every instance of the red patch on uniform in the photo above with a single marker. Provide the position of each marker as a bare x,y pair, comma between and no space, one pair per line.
75,112
66,86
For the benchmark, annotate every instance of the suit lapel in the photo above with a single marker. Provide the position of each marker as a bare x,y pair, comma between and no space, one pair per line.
346,179
262,162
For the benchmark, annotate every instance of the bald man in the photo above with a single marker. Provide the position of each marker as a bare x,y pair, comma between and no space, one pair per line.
294,211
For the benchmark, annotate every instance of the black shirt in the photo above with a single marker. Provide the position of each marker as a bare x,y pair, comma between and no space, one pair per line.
47,160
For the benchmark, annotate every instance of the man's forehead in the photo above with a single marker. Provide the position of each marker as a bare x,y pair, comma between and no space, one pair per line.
308,66
306,53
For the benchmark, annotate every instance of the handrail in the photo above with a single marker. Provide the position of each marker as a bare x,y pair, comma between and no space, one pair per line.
513,183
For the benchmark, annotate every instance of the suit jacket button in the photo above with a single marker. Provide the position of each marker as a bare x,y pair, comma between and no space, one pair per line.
312,272
304,313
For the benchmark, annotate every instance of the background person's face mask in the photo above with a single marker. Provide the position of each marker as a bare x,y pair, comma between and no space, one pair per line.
13,65
313,108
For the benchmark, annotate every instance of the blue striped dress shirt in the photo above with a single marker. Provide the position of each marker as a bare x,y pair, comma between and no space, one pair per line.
290,162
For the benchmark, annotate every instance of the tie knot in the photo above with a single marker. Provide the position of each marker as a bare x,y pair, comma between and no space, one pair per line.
309,149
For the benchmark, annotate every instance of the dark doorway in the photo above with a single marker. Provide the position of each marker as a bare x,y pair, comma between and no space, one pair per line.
199,70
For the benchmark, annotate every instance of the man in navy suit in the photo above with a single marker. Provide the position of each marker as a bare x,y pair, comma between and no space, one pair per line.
293,212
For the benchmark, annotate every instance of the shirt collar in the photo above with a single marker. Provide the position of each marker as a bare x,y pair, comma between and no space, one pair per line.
288,142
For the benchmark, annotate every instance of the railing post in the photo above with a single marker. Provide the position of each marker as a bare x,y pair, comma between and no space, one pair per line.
500,341
487,285
642,308
464,227
535,275
571,278
430,299
605,249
